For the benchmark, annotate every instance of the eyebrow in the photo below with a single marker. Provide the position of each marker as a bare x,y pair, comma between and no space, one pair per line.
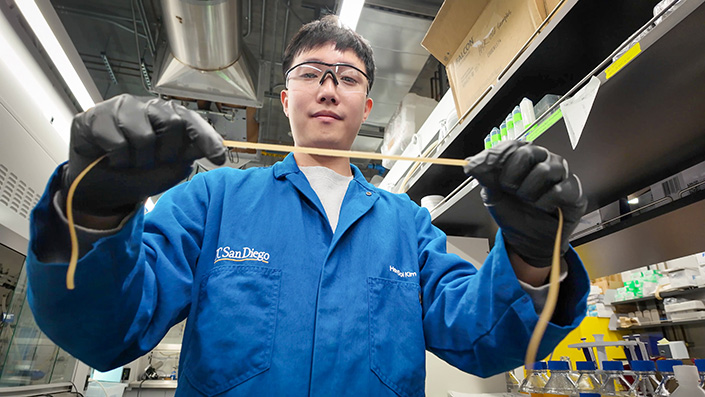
332,63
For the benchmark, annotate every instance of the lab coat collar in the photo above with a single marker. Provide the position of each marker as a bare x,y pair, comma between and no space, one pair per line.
288,166
361,195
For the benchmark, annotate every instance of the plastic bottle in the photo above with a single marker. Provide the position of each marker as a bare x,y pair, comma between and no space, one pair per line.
503,131
518,122
668,381
510,126
527,112
587,381
700,365
488,141
645,382
615,384
559,384
535,381
687,376
495,136
512,382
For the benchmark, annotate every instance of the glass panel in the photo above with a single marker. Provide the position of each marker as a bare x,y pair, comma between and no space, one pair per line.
28,356
168,352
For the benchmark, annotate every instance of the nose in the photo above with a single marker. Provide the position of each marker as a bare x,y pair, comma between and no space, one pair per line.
327,90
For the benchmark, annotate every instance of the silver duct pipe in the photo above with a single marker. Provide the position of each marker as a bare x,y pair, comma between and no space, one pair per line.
206,58
204,34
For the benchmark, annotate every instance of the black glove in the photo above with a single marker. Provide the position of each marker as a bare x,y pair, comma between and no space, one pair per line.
150,147
523,184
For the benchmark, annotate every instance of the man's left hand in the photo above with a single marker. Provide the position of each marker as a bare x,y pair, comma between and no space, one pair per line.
523,185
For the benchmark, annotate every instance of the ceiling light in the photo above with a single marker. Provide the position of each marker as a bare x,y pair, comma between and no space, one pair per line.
633,201
350,12
57,54
57,114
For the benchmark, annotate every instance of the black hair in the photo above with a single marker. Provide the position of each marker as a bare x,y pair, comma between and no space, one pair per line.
329,30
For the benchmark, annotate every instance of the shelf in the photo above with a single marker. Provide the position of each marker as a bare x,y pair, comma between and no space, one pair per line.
580,36
628,142
655,239
665,294
663,324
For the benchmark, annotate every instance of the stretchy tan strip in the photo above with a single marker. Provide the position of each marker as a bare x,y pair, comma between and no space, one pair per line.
72,227
551,299
340,153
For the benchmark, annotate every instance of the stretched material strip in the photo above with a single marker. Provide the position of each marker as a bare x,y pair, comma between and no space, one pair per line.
72,227
340,153
551,299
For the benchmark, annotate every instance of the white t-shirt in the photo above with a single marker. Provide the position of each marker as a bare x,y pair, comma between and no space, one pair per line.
330,187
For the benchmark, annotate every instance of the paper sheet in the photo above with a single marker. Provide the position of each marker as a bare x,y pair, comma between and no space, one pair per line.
577,109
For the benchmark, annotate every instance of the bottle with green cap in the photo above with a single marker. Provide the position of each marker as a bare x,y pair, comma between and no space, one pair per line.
503,131
518,122
495,136
510,126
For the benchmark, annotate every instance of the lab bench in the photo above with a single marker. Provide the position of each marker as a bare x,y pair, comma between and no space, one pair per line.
151,388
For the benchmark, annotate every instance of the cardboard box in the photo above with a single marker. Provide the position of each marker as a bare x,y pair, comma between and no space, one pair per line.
476,40
549,5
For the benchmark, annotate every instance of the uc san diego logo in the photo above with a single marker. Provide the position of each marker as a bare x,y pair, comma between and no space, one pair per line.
245,254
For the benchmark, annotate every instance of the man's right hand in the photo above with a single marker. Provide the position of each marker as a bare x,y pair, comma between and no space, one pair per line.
150,147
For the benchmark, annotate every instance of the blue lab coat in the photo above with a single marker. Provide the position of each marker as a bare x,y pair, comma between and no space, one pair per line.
277,303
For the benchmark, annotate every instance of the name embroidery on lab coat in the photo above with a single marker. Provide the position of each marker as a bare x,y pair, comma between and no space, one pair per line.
245,254
400,273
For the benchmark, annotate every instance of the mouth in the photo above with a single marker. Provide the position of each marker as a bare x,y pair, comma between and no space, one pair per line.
326,115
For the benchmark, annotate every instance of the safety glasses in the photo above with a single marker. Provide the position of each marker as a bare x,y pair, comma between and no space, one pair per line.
308,75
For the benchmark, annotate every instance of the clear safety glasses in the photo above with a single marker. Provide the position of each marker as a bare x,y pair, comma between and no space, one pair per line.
308,75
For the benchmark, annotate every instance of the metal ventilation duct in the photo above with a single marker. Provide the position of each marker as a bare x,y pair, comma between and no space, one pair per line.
206,58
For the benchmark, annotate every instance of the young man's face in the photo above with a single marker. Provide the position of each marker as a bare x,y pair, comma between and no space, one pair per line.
326,115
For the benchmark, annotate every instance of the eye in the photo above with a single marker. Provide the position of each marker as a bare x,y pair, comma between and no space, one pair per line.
309,76
348,80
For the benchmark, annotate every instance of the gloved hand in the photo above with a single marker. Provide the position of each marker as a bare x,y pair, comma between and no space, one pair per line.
150,147
522,185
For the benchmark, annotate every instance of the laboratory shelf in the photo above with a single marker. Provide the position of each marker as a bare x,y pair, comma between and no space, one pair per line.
579,36
663,324
665,294
672,231
646,124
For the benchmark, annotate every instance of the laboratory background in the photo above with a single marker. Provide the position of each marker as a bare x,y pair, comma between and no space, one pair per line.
615,87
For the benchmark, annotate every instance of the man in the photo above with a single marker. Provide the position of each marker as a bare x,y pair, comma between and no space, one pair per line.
300,278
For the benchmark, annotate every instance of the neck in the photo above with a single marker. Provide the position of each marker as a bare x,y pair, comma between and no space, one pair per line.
340,165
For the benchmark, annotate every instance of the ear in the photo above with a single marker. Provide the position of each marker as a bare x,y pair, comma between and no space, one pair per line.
284,96
368,109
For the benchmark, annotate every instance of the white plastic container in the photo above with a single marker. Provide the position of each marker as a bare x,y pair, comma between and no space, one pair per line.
430,202
527,112
687,376
682,306
686,315
108,389
682,278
